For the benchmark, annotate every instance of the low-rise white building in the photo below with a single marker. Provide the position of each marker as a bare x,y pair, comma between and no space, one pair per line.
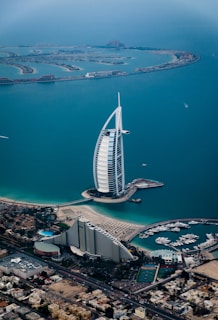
21,265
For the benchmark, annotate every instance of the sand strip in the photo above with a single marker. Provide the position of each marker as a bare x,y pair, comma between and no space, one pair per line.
119,229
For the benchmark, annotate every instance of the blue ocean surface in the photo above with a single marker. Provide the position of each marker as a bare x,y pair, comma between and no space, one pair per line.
172,116
53,128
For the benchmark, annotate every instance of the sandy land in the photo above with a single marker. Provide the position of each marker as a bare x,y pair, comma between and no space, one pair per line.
119,229
66,289
209,269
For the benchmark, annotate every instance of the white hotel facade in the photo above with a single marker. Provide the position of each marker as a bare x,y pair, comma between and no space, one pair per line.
108,161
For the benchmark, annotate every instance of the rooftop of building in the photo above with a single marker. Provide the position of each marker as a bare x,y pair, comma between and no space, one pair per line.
46,247
21,261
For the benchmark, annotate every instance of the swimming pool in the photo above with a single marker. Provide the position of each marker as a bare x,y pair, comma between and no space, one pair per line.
46,233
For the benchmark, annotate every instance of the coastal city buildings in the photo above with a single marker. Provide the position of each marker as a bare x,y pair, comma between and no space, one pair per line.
181,284
21,265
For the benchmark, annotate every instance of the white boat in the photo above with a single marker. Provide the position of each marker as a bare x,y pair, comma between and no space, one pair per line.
193,222
176,229
209,236
162,240
163,228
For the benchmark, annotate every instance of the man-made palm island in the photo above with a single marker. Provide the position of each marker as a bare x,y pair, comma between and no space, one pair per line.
87,62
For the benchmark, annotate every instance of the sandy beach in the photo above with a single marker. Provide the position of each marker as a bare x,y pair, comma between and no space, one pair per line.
25,203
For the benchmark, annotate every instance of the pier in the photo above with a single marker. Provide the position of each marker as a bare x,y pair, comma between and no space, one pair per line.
58,205
74,202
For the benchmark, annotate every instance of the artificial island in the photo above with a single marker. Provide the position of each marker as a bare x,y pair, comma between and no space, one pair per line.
73,59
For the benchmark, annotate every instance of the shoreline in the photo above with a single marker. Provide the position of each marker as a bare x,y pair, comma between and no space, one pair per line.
26,203
120,229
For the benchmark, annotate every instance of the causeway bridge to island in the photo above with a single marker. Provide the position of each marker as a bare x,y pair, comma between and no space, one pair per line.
58,205
74,202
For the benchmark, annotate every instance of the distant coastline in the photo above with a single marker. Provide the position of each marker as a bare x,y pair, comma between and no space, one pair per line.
25,203
179,59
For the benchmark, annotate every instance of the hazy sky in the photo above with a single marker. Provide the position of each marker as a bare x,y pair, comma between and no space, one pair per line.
47,20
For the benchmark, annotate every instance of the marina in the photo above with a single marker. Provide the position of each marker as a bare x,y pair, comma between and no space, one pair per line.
185,236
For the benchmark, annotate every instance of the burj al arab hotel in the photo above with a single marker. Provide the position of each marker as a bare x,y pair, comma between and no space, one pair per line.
108,165
108,161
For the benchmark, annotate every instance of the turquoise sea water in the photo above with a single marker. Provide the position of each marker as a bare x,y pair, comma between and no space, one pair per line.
53,130
215,254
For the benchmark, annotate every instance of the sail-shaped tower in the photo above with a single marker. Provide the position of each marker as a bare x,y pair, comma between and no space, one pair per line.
108,161
108,165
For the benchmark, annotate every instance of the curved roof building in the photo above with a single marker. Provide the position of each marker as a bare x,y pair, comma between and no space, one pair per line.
83,237
108,161
46,249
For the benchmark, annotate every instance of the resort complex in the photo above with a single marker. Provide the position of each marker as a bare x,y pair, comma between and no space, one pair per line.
85,238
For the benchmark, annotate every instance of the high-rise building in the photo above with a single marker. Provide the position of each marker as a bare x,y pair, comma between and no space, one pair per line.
108,161
108,165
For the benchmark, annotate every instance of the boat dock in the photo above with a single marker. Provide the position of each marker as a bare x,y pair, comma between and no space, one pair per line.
210,244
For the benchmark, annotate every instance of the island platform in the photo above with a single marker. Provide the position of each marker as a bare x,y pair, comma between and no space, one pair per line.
131,189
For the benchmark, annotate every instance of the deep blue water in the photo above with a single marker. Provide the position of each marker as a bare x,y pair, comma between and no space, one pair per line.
53,127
